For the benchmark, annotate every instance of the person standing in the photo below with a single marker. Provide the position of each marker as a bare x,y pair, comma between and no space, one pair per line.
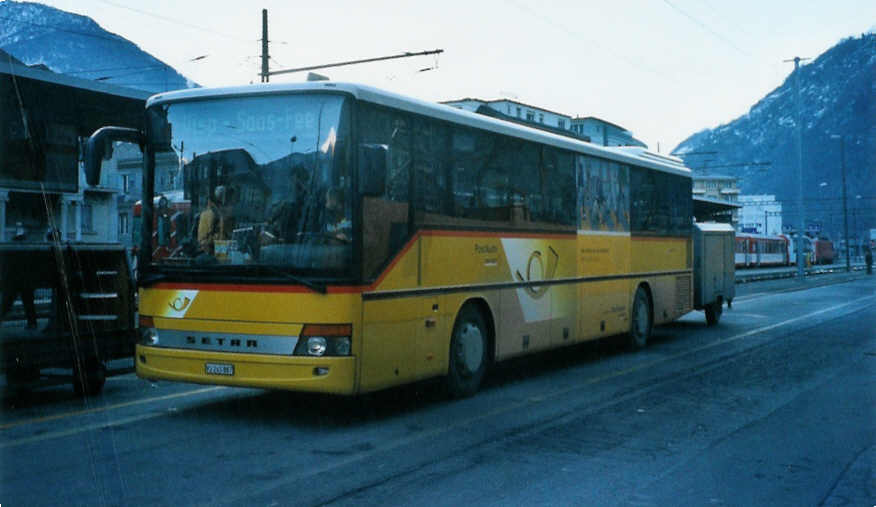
16,277
868,258
213,224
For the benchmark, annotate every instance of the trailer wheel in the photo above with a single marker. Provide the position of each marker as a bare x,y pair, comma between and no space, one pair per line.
468,352
713,312
641,325
90,378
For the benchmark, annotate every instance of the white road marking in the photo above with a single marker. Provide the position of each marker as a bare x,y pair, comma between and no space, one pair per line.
421,436
109,407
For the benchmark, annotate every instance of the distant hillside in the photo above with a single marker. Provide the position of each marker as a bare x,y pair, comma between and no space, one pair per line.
838,96
71,44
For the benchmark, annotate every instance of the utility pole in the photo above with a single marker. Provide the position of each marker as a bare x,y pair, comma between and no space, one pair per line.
265,74
801,222
842,141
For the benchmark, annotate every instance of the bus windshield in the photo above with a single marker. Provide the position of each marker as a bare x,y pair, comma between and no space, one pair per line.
267,180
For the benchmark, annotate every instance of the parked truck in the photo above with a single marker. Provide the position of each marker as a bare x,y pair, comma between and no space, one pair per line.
67,306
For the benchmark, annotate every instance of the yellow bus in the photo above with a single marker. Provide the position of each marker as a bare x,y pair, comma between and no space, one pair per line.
345,239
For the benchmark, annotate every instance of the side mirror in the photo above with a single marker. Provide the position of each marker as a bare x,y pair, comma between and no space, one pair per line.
373,161
96,148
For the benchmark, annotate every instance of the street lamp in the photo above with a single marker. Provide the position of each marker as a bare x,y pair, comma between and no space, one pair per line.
842,141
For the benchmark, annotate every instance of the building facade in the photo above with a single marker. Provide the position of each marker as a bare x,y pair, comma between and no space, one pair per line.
603,132
45,119
715,186
761,214
718,187
519,110
593,129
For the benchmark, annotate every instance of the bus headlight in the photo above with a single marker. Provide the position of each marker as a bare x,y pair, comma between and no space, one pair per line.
318,340
316,346
149,336
148,332
342,346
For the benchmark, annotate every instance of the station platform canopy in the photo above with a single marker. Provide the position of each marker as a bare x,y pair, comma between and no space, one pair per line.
713,210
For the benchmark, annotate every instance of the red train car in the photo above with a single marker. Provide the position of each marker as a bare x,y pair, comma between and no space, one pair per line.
171,220
756,250
822,251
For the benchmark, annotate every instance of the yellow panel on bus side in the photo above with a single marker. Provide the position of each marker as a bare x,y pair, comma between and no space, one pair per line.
399,343
462,258
604,305
671,294
263,304
654,254
564,297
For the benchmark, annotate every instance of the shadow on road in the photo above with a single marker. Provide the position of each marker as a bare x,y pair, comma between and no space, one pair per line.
305,410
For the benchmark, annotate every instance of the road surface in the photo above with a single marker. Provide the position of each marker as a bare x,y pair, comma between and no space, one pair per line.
774,406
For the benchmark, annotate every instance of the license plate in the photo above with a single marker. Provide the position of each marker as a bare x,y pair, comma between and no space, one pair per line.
219,369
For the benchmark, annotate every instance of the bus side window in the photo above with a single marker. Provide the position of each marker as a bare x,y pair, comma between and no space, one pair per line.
386,218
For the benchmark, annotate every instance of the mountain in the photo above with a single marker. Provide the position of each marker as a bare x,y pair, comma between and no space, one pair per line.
71,44
838,97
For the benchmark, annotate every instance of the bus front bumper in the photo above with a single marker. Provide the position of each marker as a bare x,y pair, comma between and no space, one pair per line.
334,375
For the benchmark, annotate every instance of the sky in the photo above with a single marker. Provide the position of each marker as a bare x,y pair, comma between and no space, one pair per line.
663,69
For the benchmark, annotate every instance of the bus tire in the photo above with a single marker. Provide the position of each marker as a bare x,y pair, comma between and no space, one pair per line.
469,355
713,312
90,378
641,321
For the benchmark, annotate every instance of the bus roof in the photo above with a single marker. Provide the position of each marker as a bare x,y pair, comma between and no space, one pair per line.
629,155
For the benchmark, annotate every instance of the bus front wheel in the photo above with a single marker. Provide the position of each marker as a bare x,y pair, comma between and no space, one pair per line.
468,352
640,327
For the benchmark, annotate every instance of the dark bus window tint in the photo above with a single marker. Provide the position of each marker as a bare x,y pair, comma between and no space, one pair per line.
560,195
660,203
480,179
643,206
525,183
681,208
604,195
621,188
431,162
385,219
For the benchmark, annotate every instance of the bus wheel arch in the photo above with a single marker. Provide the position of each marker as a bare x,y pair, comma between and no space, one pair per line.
641,316
471,348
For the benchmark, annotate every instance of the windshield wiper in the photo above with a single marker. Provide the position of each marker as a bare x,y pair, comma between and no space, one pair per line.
151,278
316,287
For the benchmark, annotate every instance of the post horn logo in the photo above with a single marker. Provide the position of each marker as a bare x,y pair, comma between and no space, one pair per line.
536,270
179,304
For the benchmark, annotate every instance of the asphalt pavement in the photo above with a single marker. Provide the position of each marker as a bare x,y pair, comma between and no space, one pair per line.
774,406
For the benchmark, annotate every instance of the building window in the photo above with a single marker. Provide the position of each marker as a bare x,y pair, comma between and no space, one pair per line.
561,123
518,112
540,117
530,116
123,224
126,183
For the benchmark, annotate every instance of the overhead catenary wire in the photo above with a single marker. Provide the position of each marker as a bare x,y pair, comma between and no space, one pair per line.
175,21
706,28
633,63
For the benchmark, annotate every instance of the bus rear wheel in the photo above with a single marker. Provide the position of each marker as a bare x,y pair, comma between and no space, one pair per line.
469,354
640,327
